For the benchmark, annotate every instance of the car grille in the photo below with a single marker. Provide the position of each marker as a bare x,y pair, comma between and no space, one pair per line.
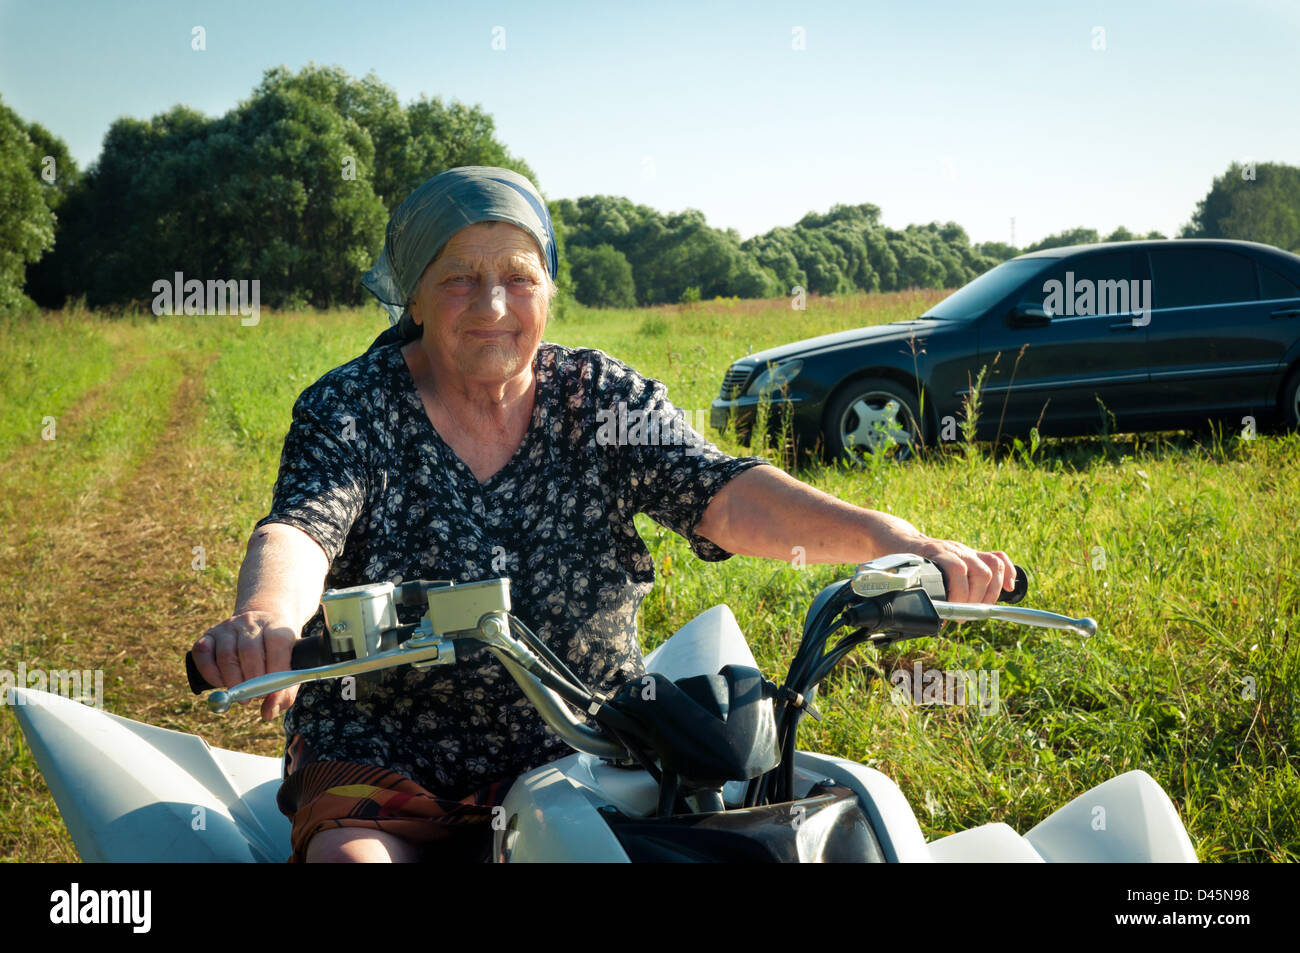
733,384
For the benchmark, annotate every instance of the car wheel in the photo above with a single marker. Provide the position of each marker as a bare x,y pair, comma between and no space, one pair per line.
871,417
1291,401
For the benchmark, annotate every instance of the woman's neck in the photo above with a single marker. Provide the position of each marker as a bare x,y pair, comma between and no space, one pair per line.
495,410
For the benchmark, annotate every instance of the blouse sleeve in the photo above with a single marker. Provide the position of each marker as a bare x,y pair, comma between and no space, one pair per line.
321,488
668,469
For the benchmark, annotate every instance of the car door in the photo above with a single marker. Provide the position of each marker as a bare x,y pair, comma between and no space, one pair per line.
1093,347
1214,341
1281,296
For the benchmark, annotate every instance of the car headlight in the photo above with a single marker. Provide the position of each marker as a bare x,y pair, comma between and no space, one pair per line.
774,378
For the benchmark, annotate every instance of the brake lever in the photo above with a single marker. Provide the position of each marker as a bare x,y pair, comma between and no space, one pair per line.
978,611
430,650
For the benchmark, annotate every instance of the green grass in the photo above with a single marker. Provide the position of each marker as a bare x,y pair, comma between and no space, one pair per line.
88,457
1183,548
39,382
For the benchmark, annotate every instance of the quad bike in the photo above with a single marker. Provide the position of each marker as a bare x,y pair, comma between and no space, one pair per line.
695,761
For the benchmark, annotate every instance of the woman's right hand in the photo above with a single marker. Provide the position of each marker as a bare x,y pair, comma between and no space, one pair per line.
247,645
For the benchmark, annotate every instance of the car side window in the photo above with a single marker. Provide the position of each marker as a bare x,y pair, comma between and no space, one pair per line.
1090,285
1273,286
1190,277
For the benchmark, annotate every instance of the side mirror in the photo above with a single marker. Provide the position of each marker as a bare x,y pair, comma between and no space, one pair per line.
1028,316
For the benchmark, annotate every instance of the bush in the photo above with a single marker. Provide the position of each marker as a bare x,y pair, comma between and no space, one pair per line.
602,277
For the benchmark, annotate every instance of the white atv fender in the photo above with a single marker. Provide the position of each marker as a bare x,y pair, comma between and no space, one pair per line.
1128,819
133,792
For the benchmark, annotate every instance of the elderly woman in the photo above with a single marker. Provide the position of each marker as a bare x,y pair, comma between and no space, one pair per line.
461,446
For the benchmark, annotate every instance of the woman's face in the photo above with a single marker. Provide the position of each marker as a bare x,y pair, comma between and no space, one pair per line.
483,303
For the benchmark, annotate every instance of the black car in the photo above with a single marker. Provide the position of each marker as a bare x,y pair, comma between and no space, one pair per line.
1165,334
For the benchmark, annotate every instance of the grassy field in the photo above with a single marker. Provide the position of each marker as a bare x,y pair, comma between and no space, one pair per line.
166,438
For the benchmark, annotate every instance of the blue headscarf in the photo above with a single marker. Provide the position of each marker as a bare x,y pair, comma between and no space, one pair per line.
442,206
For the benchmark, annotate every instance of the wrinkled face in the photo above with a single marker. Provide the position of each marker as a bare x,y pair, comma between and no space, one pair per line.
483,303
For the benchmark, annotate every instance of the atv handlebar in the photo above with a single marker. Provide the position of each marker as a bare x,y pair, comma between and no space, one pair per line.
313,652
888,599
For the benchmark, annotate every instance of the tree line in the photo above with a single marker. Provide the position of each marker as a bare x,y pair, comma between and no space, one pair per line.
294,186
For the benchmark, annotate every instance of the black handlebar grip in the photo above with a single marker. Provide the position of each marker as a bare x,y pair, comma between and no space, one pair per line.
307,653
198,684
1018,593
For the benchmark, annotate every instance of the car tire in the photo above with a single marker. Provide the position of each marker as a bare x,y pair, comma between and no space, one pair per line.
872,415
1291,401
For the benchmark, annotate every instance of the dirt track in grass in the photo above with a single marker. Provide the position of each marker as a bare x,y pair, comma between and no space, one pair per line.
110,582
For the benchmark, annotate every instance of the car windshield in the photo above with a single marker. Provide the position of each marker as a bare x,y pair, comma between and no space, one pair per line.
974,299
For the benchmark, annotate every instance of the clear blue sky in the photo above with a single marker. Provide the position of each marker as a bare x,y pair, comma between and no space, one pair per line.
962,111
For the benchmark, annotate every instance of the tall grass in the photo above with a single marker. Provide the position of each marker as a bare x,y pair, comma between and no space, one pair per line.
1182,548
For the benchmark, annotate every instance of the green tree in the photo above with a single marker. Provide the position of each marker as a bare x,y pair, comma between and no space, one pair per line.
292,187
774,251
917,268
52,152
277,191
564,294
371,105
326,227
1259,204
1072,236
602,277
668,254
59,177
998,251
410,145
26,216
444,136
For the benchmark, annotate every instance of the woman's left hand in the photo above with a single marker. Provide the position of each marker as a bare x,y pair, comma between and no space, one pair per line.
970,575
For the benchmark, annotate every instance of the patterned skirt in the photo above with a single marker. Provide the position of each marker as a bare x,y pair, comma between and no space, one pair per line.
322,795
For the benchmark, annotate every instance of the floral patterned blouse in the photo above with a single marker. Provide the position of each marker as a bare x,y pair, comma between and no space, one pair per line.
365,474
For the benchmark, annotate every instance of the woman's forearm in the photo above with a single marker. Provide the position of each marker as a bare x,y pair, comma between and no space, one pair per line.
283,574
766,512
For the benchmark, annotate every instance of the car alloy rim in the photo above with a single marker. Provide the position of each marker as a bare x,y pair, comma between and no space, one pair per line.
1295,404
877,422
